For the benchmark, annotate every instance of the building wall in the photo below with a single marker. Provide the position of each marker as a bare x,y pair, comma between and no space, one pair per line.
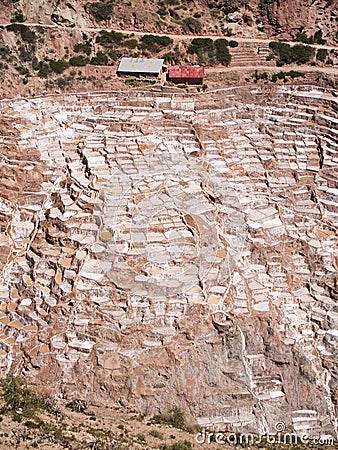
138,74
186,80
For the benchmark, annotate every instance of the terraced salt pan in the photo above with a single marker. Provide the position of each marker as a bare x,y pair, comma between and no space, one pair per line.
155,203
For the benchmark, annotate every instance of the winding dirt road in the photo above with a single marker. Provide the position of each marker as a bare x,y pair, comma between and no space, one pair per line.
172,36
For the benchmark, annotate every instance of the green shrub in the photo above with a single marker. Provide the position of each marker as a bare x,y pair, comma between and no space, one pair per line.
322,54
4,52
155,43
264,6
182,445
282,50
157,434
299,53
222,51
283,75
205,49
18,17
302,54
174,418
318,37
191,25
270,57
100,59
233,44
109,37
17,396
295,74
172,57
99,10
200,44
161,12
114,55
209,51
26,33
22,70
260,76
58,66
26,53
43,69
130,43
78,61
197,15
141,438
31,424
83,48
302,37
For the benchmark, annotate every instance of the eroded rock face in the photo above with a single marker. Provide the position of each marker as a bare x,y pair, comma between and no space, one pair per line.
162,251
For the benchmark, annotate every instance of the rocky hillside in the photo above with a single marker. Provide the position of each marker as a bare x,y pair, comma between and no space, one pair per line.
60,46
247,17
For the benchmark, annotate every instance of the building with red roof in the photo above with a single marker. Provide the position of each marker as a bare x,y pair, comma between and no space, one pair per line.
186,74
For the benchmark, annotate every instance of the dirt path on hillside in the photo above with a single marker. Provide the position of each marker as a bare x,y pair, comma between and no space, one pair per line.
173,36
328,70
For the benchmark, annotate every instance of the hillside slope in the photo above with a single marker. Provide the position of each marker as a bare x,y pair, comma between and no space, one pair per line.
244,17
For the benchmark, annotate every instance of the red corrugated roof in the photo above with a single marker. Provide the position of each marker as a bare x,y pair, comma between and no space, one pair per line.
186,72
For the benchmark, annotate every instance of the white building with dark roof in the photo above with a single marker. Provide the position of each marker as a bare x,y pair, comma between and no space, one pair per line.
146,67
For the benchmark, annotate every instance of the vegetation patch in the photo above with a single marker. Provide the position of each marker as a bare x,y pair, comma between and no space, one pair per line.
130,43
205,50
222,51
284,75
209,51
176,419
157,434
58,66
162,11
100,59
233,44
20,401
191,25
81,47
18,16
43,69
100,10
22,70
182,445
317,38
322,54
109,37
287,54
26,33
132,82
78,61
155,43
265,7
